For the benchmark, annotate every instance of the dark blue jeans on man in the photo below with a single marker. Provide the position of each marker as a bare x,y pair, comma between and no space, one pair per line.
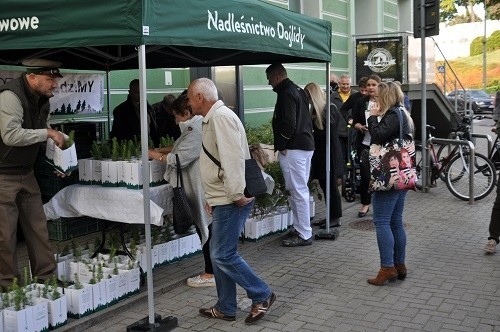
229,267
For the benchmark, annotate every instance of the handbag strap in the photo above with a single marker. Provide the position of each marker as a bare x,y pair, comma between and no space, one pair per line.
400,126
216,162
179,170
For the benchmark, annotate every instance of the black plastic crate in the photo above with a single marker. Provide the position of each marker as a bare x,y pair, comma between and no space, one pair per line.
50,184
63,229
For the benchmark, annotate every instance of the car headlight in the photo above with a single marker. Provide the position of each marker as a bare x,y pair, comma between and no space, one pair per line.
481,103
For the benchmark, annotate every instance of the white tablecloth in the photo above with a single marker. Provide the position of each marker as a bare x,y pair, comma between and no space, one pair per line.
110,203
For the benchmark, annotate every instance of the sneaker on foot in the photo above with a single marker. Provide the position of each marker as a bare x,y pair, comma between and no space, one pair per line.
259,310
198,281
491,246
296,241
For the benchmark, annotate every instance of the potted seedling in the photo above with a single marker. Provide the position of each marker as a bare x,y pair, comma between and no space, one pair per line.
23,314
109,169
99,152
98,288
51,294
80,301
63,159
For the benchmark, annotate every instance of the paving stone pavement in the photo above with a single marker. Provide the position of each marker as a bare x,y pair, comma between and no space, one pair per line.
451,284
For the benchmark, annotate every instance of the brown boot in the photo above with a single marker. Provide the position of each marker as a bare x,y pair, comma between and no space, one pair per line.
401,268
385,274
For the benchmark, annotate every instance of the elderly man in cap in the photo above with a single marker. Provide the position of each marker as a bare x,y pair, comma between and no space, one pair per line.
24,111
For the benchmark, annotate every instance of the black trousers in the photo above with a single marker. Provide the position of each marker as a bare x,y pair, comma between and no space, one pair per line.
335,198
494,227
364,169
206,250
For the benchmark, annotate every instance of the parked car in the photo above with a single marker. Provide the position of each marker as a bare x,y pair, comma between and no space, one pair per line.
479,99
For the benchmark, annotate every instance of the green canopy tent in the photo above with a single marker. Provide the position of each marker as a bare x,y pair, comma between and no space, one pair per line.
176,33
132,34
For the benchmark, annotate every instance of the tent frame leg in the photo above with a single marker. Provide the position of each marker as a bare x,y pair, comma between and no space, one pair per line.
160,325
328,234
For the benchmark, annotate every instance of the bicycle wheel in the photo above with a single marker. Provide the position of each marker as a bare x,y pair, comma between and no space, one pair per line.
418,165
457,176
443,153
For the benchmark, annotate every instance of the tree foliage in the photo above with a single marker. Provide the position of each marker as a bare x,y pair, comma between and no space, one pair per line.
493,9
448,10
492,43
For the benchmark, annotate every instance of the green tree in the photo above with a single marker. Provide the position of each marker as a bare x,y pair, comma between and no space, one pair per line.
493,9
448,11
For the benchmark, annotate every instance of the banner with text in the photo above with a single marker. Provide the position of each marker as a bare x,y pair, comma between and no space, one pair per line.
75,94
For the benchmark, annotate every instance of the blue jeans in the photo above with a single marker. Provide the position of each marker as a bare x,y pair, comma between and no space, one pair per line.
229,267
388,219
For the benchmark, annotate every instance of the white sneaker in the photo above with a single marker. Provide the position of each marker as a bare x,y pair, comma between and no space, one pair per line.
199,282
491,246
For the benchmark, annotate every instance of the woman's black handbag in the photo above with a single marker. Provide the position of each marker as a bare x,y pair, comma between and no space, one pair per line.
255,184
181,211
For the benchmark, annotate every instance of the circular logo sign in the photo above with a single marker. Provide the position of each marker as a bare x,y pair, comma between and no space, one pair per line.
379,60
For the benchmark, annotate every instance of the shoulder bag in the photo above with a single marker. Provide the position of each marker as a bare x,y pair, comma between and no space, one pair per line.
255,184
181,211
392,165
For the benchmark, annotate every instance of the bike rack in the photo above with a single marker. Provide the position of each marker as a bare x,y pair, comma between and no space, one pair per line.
471,161
488,138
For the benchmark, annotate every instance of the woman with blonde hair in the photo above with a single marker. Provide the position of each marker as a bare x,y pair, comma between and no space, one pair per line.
317,100
388,206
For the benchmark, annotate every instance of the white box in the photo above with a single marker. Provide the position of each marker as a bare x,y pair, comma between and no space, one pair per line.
173,250
109,173
185,244
17,321
276,222
121,175
111,290
58,311
80,301
85,174
96,172
63,160
133,174
162,253
99,298
253,229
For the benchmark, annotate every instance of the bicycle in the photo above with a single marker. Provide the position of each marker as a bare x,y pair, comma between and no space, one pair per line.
450,163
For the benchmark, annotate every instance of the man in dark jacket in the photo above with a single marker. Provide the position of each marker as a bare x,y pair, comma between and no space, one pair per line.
293,138
126,117
24,111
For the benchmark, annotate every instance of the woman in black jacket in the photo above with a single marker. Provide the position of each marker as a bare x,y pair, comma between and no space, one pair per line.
388,206
317,99
360,114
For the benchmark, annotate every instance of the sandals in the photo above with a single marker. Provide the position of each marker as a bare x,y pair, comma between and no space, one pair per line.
214,313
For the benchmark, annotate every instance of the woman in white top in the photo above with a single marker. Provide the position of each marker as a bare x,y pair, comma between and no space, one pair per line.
360,113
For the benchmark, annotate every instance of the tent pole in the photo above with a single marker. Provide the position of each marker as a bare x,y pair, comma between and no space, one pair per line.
329,234
145,176
153,322
107,100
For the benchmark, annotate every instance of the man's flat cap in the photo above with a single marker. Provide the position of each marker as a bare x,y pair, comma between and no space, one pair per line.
42,67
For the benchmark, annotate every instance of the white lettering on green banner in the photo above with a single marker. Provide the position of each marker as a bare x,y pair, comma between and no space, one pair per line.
19,23
290,33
